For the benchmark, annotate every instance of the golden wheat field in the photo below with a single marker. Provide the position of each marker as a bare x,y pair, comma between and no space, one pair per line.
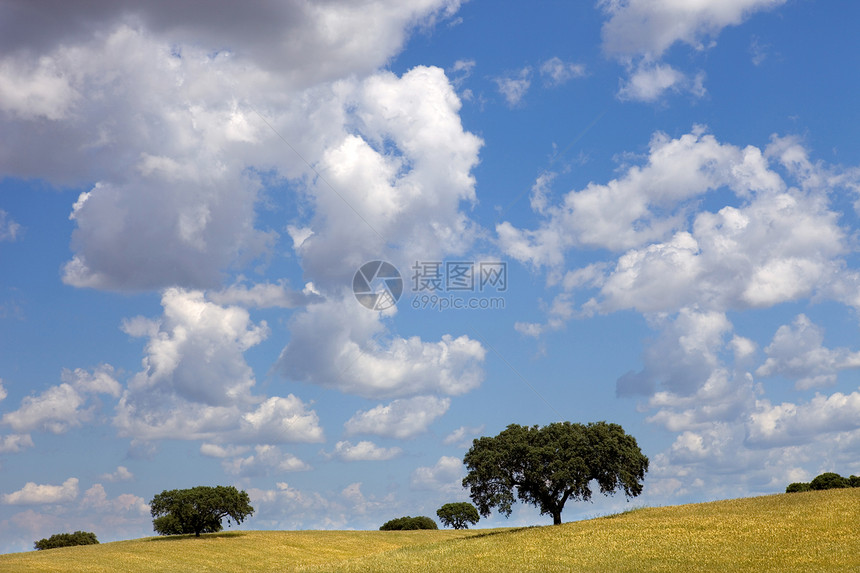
803,532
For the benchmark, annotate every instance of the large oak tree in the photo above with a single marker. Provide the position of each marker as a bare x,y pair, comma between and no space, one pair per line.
198,510
547,466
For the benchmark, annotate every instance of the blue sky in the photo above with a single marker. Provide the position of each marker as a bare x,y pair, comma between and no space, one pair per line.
187,191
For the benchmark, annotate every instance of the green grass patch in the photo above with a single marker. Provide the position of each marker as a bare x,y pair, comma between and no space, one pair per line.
801,532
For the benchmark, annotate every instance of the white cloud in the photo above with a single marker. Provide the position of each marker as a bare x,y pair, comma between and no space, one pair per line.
400,419
641,31
555,71
9,229
445,476
797,353
96,498
122,473
265,459
789,423
197,351
461,437
364,451
218,451
33,493
263,295
62,407
3,392
14,443
196,384
645,27
514,87
343,345
649,83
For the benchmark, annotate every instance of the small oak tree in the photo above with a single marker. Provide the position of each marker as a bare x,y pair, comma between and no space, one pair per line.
458,515
198,510
548,466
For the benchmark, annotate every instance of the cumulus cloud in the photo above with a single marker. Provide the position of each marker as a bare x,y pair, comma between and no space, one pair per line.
32,493
643,27
776,243
14,443
402,419
788,423
156,110
122,473
64,406
364,451
641,31
265,459
649,82
96,498
445,476
797,353
196,384
341,344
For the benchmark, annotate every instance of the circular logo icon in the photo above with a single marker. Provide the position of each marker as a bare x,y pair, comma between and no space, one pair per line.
377,285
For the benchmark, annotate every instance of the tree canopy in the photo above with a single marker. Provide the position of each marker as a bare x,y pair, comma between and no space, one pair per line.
198,510
458,515
547,466
66,540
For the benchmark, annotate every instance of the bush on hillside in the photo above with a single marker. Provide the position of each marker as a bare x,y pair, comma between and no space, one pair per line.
828,480
854,481
66,540
797,487
408,523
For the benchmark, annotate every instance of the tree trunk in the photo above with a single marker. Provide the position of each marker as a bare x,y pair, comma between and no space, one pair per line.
556,517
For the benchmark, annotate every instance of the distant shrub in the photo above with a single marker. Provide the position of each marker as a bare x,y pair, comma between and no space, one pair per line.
828,480
408,523
67,540
797,487
854,481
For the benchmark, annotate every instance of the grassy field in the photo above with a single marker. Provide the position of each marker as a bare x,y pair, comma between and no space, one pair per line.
803,532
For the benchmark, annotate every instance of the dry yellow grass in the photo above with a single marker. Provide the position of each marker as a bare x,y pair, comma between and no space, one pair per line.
804,532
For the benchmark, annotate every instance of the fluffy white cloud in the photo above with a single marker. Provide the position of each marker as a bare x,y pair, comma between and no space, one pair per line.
96,498
33,493
219,451
514,87
122,473
797,353
62,407
650,81
196,384
364,451
400,419
646,27
158,106
13,443
196,350
642,31
265,459
445,476
343,345
788,423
